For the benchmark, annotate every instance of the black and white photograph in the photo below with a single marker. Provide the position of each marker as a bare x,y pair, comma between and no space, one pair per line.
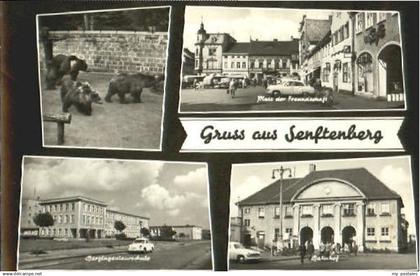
101,214
238,59
333,214
101,77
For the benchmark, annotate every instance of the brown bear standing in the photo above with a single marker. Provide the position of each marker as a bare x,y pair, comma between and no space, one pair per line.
61,65
133,84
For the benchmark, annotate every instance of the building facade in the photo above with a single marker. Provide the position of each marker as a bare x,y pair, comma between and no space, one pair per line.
133,223
183,232
208,51
220,53
79,217
359,54
377,46
30,208
336,206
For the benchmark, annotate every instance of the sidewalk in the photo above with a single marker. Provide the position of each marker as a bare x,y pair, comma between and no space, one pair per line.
28,258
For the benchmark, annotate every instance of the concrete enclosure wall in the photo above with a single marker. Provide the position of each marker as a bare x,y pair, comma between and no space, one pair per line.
112,51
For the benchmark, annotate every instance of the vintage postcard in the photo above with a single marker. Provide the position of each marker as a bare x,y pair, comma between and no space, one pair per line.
101,78
238,59
79,213
324,214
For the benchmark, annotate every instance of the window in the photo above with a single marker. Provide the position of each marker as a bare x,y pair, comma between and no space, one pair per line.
247,222
370,231
289,231
385,208
251,65
225,64
359,22
196,63
276,212
327,210
232,64
384,231
288,211
72,219
59,219
284,64
243,64
370,211
260,64
276,233
381,16
72,206
369,19
326,72
212,51
247,210
261,212
348,209
66,218
346,75
238,64
346,30
307,210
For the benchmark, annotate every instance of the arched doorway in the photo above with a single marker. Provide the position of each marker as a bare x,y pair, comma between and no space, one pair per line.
348,234
327,235
365,73
390,70
306,234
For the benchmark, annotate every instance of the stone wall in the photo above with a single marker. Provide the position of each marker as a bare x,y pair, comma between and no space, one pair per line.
112,51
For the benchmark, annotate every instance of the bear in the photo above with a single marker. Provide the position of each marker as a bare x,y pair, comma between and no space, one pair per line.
61,65
133,84
79,94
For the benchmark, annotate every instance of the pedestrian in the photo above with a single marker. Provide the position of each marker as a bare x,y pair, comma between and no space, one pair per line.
338,247
355,248
195,84
265,83
302,251
310,250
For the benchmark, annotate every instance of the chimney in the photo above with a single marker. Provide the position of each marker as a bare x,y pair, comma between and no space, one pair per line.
312,168
275,40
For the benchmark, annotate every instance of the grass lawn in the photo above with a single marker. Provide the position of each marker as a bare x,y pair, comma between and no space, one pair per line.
111,125
27,245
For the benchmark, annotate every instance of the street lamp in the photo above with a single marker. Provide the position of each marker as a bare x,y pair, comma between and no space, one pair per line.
281,171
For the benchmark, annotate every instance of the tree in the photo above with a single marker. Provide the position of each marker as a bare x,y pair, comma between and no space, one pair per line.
44,220
145,232
119,225
167,232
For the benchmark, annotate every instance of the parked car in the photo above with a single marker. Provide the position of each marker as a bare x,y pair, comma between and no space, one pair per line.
239,253
290,87
141,245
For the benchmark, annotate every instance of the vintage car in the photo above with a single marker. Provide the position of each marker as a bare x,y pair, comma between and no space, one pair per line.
239,253
141,245
290,87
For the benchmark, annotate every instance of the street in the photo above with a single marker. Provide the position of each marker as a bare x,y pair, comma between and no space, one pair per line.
213,100
362,261
167,255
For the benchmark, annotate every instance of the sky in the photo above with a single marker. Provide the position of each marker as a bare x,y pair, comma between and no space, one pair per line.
243,23
393,172
167,192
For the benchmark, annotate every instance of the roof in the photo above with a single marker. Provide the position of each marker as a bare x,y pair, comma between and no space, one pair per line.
316,29
127,214
176,226
265,48
238,48
72,198
361,178
274,48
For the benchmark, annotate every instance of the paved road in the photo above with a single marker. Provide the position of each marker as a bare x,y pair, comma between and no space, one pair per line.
188,255
362,261
203,100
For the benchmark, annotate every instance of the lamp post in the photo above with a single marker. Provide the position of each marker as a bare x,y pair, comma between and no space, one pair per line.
281,171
